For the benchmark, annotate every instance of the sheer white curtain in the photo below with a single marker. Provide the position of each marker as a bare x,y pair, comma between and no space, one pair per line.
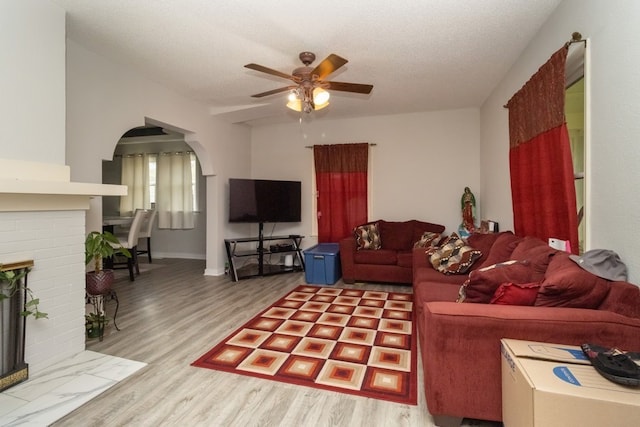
135,175
174,198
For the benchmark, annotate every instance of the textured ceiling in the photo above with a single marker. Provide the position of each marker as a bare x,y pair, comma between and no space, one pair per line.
419,55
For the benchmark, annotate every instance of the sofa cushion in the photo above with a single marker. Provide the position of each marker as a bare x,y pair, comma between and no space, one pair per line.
405,259
427,239
566,284
483,283
482,242
379,257
534,250
516,294
396,235
454,256
420,227
367,236
501,250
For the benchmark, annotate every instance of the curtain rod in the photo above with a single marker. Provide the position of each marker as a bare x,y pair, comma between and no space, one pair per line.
372,144
576,37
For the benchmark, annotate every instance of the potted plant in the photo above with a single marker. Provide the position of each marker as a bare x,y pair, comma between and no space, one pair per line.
94,324
13,284
97,247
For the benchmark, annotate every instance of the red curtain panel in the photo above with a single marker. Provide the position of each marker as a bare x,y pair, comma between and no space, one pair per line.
341,182
542,186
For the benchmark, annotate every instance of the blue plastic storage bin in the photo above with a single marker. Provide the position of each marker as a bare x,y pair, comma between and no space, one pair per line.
322,264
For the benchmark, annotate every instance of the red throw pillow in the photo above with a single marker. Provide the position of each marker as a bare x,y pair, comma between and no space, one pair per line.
484,282
516,294
566,284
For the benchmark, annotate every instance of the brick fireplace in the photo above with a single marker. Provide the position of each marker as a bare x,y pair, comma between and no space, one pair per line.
42,218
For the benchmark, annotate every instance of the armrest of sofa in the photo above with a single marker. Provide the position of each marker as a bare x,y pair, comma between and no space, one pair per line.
347,252
461,348
420,260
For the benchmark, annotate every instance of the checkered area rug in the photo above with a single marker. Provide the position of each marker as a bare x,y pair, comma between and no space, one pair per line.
346,340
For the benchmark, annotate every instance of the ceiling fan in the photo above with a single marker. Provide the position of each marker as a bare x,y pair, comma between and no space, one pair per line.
309,91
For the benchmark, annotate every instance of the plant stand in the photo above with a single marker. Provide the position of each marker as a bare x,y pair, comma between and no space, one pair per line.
95,326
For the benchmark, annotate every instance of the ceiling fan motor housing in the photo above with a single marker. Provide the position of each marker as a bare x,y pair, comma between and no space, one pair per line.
307,57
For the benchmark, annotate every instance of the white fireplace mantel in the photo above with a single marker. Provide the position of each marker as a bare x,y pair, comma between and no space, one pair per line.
31,186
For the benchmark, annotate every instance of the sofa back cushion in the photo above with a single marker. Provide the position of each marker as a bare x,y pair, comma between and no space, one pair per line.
501,250
420,227
482,242
566,284
402,235
396,235
536,252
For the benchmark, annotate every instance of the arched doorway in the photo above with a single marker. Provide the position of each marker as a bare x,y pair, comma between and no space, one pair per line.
145,148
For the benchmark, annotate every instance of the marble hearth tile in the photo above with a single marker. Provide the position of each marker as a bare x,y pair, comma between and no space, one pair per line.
63,387
9,404
86,362
55,404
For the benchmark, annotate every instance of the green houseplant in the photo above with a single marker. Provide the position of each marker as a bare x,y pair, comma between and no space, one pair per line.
12,283
99,246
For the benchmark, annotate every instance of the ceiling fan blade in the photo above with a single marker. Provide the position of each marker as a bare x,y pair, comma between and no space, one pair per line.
349,87
271,92
328,66
271,71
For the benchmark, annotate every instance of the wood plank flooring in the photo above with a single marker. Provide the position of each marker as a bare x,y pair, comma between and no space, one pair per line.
170,316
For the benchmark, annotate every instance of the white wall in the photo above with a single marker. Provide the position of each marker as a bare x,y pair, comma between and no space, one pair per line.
105,99
32,84
32,36
613,155
419,166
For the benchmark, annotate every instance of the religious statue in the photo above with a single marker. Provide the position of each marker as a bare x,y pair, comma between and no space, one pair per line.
468,205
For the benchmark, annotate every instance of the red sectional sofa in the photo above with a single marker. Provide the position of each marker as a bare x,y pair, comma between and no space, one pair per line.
460,342
391,261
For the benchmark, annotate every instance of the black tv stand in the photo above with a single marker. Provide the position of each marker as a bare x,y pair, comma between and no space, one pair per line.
264,265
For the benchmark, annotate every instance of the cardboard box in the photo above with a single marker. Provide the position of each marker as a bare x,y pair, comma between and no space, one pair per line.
548,385
322,264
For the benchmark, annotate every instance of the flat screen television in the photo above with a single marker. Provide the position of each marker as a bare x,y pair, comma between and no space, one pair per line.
262,200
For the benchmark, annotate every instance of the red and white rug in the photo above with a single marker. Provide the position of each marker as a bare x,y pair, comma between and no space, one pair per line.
346,340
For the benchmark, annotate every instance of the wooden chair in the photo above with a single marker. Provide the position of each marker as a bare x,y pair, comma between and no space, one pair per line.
130,242
145,233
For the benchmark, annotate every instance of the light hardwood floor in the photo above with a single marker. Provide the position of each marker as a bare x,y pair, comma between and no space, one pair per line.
170,316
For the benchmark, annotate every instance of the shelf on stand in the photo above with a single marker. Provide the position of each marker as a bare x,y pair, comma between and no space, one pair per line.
262,267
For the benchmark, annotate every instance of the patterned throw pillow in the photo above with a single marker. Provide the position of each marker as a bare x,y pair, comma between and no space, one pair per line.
454,256
428,239
367,236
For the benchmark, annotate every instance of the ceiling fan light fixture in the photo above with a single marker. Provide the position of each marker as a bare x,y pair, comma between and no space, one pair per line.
295,104
320,97
320,101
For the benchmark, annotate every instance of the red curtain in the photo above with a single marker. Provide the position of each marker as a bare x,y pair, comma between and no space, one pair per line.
542,186
341,181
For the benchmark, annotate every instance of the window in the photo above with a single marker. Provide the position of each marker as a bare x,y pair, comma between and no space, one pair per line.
168,181
153,166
